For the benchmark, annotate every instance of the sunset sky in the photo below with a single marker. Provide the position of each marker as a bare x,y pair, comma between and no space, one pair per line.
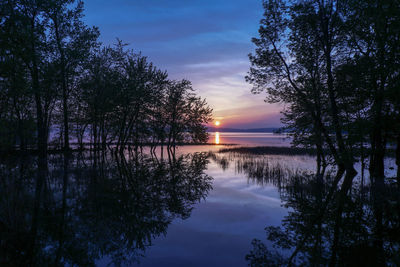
204,41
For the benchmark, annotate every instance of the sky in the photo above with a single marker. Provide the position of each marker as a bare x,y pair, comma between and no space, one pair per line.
204,41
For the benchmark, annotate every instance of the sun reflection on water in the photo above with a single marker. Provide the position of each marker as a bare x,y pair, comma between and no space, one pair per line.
217,138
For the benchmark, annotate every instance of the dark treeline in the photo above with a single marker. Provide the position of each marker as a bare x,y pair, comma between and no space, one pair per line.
59,86
335,65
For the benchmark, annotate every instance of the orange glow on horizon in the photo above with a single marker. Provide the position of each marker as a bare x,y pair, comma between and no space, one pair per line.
217,123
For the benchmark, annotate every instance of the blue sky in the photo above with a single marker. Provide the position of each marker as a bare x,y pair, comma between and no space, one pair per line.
204,41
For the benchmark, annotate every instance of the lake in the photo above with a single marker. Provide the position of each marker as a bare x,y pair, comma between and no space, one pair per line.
220,229
249,139
200,207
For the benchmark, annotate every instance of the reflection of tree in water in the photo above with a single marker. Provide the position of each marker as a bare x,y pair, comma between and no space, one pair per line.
86,209
368,231
365,232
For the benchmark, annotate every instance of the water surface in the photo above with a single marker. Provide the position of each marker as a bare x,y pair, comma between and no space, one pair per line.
249,139
198,207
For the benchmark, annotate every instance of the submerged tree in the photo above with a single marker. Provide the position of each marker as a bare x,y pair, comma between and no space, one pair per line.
128,101
335,75
335,65
72,41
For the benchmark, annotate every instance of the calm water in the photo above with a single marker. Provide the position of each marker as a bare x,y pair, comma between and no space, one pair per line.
220,229
249,139
197,208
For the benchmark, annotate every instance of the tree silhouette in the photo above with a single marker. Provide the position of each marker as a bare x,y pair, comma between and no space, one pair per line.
56,75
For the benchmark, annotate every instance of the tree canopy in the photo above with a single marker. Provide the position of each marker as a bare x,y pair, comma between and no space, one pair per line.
60,85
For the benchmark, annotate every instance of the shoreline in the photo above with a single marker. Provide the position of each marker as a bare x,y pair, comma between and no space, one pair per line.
227,148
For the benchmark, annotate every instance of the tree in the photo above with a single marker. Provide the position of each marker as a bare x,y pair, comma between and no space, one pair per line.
52,66
293,63
73,41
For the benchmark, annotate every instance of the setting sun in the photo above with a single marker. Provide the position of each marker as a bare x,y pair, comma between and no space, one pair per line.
217,123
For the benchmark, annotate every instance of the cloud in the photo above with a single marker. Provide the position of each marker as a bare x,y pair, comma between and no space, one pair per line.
256,116
205,41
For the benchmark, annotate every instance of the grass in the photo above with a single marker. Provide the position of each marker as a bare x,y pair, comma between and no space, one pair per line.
269,150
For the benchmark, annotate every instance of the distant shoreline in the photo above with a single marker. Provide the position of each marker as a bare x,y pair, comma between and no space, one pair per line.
276,150
234,130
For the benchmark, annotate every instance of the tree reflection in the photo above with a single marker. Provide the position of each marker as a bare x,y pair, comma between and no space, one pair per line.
367,234
76,209
328,223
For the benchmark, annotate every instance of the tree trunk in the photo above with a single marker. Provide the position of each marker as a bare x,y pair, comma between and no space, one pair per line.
344,153
42,140
377,163
63,85
398,160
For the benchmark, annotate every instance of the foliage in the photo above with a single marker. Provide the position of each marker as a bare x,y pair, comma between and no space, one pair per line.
55,73
335,65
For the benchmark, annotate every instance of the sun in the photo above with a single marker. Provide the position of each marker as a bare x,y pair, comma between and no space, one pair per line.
217,123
